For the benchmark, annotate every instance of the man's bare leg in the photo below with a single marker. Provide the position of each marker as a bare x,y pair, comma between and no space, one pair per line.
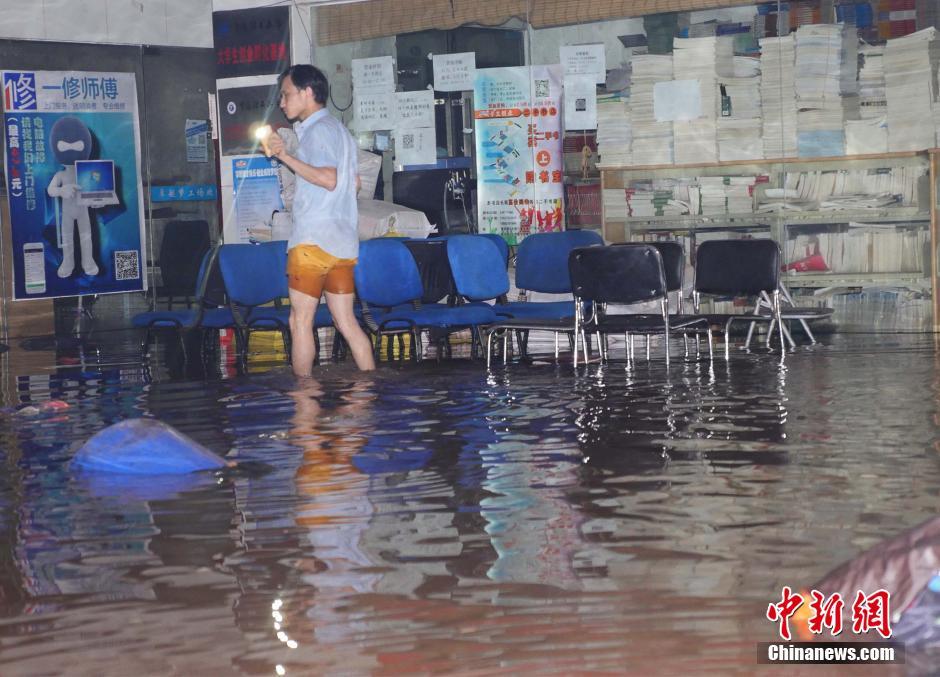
303,348
341,308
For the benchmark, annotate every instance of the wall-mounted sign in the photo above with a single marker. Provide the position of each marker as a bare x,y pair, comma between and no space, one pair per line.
373,75
184,193
584,60
251,41
454,72
415,109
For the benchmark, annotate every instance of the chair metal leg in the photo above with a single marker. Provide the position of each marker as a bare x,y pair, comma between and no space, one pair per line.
809,334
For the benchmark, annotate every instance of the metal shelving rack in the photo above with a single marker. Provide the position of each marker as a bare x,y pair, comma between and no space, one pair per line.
777,223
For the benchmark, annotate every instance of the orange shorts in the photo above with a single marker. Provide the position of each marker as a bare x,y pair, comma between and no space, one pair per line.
311,271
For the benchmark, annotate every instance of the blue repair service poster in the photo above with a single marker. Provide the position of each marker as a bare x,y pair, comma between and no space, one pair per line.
73,183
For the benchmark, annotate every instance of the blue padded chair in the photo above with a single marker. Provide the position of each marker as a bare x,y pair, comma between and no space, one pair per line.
389,288
256,276
501,245
205,315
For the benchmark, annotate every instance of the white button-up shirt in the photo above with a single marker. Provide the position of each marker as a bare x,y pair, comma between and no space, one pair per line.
327,218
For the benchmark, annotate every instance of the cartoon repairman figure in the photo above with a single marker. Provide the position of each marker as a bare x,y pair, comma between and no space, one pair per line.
71,140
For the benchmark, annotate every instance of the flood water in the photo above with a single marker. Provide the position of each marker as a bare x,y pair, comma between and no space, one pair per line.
436,518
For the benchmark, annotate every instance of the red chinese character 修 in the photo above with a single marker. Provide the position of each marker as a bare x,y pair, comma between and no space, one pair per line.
872,613
826,613
786,607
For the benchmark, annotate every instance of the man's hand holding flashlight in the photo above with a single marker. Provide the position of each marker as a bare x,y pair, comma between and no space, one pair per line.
272,144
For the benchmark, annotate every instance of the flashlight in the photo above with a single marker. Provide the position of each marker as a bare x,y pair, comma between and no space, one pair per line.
263,132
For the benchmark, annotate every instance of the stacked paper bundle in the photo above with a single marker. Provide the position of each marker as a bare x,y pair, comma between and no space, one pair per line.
615,203
613,130
645,203
868,135
826,90
872,103
701,59
740,124
652,140
909,64
778,100
726,194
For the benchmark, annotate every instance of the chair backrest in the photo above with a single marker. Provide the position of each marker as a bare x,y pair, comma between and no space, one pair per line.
498,240
501,245
477,266
436,278
209,263
673,262
629,273
254,274
182,249
386,273
741,267
542,259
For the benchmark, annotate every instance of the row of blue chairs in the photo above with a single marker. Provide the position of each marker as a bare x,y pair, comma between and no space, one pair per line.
389,285
395,294
440,286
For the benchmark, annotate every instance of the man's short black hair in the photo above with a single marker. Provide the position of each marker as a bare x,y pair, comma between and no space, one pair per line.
304,75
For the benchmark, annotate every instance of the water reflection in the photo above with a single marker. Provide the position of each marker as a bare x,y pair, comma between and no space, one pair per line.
440,518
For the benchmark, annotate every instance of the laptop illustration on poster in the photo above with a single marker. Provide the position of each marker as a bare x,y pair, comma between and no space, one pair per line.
95,179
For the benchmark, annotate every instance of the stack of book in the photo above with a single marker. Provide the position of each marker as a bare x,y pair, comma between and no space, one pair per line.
739,123
778,100
613,130
909,65
826,91
652,140
702,60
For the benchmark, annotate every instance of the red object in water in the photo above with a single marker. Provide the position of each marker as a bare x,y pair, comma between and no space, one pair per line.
813,262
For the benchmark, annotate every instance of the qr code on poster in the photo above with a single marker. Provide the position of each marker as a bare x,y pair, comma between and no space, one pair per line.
408,141
126,265
541,89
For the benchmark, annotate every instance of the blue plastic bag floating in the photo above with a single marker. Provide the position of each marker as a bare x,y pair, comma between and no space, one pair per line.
144,446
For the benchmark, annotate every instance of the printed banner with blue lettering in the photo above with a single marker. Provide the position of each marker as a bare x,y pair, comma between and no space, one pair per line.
73,183
520,166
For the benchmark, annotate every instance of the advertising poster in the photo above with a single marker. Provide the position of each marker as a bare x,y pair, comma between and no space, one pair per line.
73,183
257,196
517,115
251,41
197,140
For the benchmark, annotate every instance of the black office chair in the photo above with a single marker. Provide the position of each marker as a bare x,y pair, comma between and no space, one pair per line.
182,248
737,268
626,274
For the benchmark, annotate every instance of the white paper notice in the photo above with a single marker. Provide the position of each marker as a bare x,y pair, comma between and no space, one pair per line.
416,146
677,100
373,75
415,109
584,60
455,72
580,102
374,111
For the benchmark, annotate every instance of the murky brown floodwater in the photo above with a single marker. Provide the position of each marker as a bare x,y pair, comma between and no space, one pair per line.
436,518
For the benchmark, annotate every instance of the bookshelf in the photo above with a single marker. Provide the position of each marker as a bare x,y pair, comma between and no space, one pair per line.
880,245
